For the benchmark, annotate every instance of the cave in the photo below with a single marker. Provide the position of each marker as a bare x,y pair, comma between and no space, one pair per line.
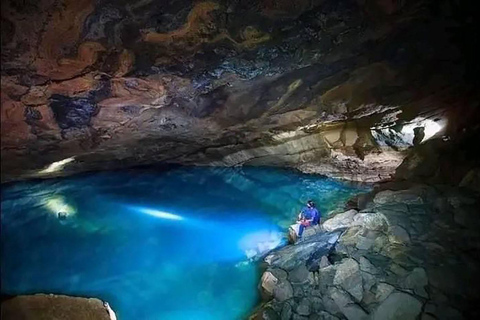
158,159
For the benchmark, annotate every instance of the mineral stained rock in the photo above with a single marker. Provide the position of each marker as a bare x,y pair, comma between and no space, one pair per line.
325,86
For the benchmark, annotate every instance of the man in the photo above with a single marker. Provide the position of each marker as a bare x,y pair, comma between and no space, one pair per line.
309,216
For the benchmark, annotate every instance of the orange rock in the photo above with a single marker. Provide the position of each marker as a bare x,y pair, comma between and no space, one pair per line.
11,88
74,86
64,28
126,87
197,21
125,63
36,96
14,130
69,68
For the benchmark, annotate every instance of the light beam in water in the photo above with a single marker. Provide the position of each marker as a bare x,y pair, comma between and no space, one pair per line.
159,214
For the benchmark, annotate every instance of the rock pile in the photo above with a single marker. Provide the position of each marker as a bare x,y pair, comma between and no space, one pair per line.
410,251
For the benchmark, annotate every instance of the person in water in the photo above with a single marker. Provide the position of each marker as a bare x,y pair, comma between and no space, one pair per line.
309,216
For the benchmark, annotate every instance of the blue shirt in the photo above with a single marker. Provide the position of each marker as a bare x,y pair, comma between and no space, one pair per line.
311,213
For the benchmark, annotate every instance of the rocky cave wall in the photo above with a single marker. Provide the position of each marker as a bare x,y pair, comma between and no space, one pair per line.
326,86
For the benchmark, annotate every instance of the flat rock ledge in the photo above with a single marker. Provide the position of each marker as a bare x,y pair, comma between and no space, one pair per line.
404,251
50,307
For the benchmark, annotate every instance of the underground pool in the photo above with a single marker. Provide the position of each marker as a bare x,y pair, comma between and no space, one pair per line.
156,244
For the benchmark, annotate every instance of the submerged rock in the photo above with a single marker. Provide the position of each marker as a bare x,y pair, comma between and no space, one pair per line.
42,306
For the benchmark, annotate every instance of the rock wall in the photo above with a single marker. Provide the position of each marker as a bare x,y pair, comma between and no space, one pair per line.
310,84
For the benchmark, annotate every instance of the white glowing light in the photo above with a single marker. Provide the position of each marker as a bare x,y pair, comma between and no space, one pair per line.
260,242
58,204
430,128
56,166
160,214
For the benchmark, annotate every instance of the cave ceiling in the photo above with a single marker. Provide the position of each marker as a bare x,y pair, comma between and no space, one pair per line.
112,84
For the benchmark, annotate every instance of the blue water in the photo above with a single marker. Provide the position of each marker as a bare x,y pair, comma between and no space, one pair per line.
155,244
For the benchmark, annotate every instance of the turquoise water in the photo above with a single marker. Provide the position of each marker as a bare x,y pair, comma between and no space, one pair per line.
155,244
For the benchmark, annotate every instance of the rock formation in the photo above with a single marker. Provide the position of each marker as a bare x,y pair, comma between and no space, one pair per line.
410,252
326,86
42,306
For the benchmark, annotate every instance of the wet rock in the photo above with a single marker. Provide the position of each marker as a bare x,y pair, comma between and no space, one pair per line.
290,257
367,266
340,221
398,306
323,315
299,275
267,314
399,235
369,281
286,312
348,276
42,306
324,262
274,284
346,306
389,196
417,280
283,291
304,307
365,243
299,317
375,221
317,304
383,291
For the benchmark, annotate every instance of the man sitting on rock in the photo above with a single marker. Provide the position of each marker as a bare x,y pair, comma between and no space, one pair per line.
309,216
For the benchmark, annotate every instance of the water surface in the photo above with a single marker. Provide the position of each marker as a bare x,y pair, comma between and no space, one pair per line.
155,244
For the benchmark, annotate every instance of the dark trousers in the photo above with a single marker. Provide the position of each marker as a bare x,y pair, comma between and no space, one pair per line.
303,226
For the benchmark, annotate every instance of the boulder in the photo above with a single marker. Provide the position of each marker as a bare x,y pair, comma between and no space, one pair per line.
383,291
286,312
417,280
323,315
398,235
324,262
274,284
304,307
290,257
299,275
283,291
43,306
364,243
375,221
317,304
367,266
267,313
398,306
339,221
348,276
402,196
349,309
